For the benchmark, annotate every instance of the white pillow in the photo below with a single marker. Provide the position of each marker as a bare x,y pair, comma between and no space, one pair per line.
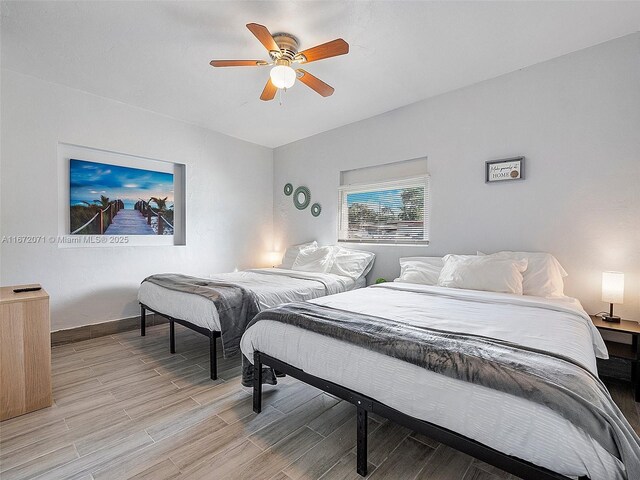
543,276
292,252
488,273
352,263
423,270
318,260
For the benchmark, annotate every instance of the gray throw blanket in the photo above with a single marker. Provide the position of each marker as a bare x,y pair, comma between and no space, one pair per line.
236,305
554,381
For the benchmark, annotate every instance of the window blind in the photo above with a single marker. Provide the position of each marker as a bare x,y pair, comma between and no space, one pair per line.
392,212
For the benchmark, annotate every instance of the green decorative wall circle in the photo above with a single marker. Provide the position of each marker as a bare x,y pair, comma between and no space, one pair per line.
316,209
288,189
301,198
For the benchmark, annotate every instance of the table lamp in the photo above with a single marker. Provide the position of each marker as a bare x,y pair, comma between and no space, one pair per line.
274,258
612,292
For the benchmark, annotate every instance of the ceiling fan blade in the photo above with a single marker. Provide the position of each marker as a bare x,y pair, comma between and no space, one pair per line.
326,50
237,63
262,33
269,91
315,83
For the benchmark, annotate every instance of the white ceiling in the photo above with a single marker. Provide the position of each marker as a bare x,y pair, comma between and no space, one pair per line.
155,55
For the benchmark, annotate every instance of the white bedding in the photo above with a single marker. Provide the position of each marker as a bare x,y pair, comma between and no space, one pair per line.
507,423
272,286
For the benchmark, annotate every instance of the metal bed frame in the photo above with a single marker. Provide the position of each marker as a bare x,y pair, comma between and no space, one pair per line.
364,405
211,334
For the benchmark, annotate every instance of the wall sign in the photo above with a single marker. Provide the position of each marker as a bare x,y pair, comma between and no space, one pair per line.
504,170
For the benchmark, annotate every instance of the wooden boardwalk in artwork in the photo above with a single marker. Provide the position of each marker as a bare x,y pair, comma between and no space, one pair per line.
129,222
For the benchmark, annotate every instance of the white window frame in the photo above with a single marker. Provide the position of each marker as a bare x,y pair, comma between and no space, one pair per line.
407,182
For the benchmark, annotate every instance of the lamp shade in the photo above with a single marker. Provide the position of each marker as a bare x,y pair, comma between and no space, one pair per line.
274,258
283,76
612,287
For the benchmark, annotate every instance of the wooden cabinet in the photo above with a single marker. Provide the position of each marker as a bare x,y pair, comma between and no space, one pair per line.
25,352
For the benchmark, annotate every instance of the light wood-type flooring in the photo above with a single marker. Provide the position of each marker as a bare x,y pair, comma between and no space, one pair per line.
126,408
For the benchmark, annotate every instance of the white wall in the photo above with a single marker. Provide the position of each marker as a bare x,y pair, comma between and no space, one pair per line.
229,198
576,119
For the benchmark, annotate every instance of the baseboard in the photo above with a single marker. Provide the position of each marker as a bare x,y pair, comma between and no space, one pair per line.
86,332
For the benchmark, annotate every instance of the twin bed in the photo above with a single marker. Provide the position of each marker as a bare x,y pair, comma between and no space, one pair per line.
508,378
222,305
270,286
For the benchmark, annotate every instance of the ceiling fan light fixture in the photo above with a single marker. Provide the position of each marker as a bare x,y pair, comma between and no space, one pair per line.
283,76
283,52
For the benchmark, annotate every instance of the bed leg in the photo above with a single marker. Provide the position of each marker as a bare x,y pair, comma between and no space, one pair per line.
172,336
257,383
362,441
213,356
143,320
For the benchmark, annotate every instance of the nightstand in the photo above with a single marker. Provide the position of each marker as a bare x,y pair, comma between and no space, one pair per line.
623,350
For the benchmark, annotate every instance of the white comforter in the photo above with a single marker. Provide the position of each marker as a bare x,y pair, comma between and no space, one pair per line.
272,286
507,423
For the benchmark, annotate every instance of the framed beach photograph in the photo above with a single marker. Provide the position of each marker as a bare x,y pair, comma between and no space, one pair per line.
504,170
107,199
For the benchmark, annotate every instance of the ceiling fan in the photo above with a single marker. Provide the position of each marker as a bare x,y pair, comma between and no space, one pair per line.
283,50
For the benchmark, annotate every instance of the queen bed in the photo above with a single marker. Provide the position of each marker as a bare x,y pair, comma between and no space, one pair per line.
516,430
222,305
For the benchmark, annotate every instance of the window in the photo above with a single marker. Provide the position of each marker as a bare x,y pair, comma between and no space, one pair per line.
385,212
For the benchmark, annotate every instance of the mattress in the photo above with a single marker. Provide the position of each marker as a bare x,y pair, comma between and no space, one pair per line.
507,423
272,286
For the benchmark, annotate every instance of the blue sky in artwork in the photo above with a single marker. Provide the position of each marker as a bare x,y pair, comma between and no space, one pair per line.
89,180
378,199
